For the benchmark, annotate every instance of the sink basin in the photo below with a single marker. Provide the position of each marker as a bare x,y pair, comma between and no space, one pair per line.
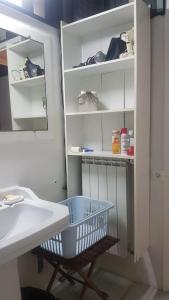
25,225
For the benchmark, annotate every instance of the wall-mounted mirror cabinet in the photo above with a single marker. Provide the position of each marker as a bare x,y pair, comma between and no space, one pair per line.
23,101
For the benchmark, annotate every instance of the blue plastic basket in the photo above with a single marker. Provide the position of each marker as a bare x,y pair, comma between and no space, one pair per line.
88,224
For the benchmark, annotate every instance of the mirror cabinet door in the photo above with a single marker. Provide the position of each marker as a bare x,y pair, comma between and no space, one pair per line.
23,101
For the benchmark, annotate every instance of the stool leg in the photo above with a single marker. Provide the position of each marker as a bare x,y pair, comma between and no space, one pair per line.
92,285
85,284
56,270
67,276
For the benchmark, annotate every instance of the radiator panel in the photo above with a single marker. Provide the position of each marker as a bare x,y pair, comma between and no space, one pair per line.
105,181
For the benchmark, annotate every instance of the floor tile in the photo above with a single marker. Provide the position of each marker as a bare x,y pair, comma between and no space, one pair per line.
117,287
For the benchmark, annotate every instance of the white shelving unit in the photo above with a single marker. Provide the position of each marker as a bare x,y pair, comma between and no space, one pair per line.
102,68
97,112
30,82
101,154
27,96
123,89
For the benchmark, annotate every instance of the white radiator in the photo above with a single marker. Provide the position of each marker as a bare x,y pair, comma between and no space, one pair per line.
107,180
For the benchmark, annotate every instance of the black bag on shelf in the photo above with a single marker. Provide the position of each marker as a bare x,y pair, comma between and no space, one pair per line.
117,46
30,293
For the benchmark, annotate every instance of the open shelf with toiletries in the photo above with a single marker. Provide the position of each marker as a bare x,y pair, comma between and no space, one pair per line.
102,95
95,131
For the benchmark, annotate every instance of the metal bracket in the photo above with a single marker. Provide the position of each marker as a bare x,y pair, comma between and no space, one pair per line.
158,7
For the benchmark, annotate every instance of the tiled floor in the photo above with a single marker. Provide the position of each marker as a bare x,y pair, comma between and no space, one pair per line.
161,296
118,289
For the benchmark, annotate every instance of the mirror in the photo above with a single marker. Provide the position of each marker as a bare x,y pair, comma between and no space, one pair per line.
23,101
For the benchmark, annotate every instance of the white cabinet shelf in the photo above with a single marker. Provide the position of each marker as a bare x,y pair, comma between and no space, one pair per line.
29,82
114,17
105,67
29,117
98,112
123,90
26,47
101,154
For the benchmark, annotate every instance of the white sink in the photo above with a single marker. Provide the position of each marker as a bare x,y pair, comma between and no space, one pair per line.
25,225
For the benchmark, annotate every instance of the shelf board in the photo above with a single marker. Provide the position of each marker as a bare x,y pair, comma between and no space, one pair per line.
114,17
97,112
104,67
29,117
29,82
26,47
104,154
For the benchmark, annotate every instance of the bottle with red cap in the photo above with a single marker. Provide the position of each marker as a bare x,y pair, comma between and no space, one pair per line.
124,141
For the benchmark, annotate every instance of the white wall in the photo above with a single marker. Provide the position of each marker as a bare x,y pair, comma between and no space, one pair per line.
36,159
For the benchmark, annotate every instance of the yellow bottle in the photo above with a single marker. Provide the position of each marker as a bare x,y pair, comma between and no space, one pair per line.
116,147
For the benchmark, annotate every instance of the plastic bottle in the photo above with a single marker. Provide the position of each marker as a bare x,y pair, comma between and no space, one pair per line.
124,141
131,137
116,149
130,150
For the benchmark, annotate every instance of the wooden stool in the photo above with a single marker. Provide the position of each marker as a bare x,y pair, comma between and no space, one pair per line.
76,264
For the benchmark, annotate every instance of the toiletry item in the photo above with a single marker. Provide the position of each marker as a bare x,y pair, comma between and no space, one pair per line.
131,137
76,149
12,199
32,69
99,57
87,101
85,149
23,74
116,149
16,75
124,141
130,150
128,37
